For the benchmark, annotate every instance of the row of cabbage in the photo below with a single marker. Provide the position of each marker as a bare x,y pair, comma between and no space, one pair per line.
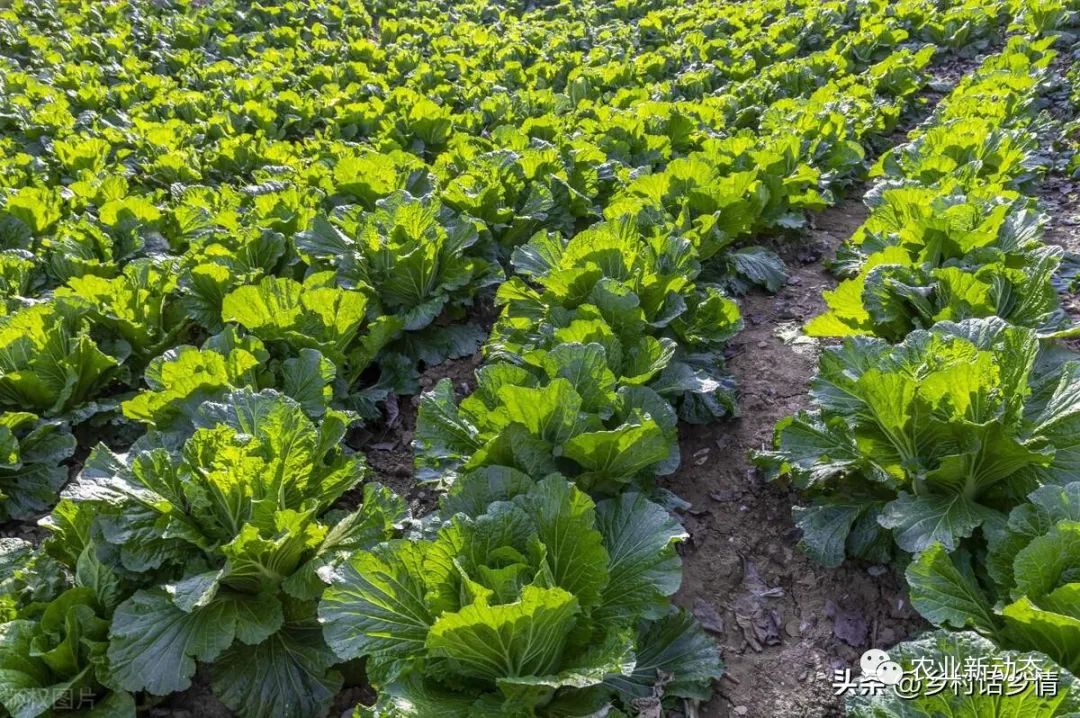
370,254
553,400
944,429
118,515
107,267
399,267
235,281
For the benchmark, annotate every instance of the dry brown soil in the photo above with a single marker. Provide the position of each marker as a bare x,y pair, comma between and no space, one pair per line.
782,621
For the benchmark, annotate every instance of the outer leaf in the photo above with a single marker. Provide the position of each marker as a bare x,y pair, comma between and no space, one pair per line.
153,645
946,596
676,645
375,603
920,522
644,568
1056,634
285,676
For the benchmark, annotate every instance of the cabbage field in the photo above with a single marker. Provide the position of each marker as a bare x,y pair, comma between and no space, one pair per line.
539,358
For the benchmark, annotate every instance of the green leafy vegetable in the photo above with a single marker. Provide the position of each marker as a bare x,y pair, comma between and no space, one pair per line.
1028,601
528,606
225,534
924,442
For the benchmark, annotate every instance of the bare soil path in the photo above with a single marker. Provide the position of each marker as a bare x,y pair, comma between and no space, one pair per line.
782,621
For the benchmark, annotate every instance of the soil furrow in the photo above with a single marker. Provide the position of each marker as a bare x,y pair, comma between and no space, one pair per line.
782,621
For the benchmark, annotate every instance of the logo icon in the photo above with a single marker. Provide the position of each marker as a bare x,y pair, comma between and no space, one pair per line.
875,665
